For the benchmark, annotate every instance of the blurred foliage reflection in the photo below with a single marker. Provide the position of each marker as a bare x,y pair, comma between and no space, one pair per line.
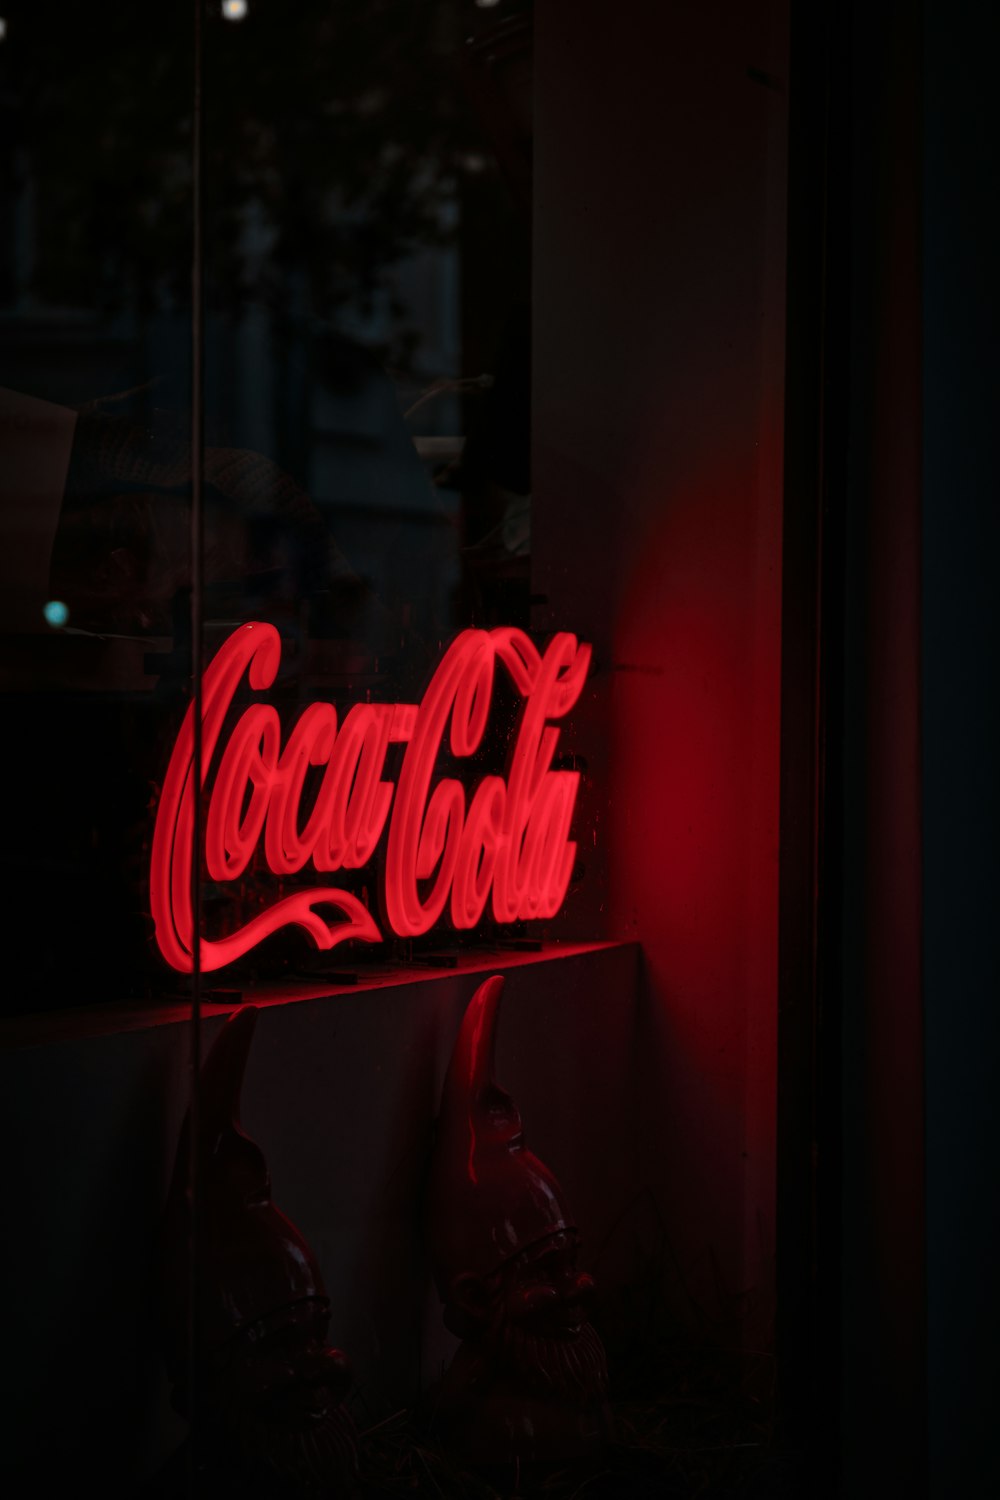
336,136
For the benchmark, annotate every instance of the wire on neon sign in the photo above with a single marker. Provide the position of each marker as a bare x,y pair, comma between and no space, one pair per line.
507,844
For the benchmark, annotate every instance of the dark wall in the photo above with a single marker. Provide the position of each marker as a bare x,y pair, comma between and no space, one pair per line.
659,337
908,1133
961,737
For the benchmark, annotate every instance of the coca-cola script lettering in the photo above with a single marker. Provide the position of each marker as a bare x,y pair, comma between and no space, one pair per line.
505,840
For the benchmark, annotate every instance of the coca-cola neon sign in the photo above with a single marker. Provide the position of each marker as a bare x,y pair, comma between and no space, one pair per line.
507,843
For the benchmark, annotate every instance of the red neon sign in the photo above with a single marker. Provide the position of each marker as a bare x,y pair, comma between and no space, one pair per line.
510,842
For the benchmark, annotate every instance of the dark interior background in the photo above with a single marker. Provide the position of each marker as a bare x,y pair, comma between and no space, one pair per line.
674,326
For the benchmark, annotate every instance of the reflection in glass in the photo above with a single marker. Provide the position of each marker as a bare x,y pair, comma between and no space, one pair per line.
367,357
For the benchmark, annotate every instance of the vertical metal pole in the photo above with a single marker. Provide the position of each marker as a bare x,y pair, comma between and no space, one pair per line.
197,546
816,383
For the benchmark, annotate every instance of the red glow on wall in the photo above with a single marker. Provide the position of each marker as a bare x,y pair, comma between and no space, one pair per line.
446,851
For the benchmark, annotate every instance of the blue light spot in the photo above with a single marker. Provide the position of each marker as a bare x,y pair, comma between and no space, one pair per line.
56,613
